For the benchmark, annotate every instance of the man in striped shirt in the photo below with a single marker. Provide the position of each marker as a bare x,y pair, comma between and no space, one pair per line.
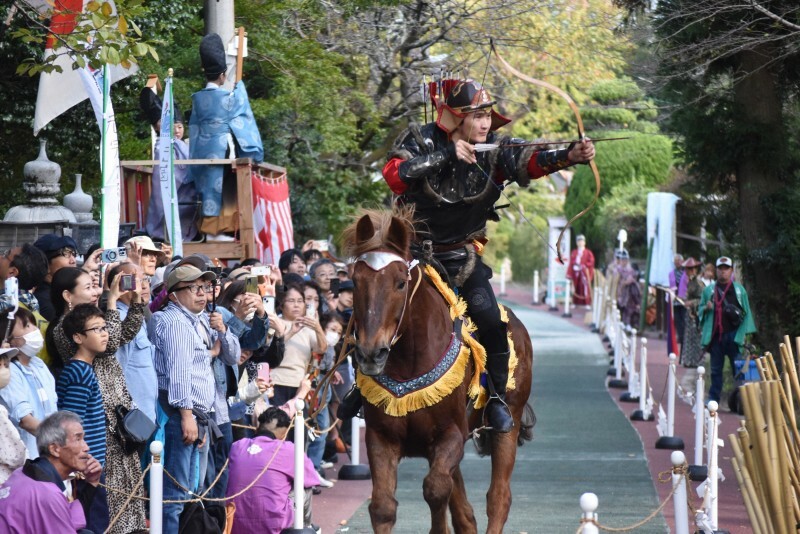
184,338
77,389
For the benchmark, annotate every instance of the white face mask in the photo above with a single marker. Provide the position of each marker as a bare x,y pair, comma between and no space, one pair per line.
332,337
5,376
33,343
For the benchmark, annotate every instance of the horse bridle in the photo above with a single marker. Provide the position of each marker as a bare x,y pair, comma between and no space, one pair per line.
378,261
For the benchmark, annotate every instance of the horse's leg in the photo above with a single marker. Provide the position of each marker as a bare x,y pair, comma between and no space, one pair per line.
460,508
498,498
384,457
438,484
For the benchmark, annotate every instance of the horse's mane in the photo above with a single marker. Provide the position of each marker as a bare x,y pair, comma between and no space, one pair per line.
381,221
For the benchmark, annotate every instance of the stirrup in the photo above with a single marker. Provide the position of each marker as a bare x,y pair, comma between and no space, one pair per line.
498,415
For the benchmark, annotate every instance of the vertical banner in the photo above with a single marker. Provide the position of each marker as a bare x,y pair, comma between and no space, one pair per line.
166,171
272,217
98,87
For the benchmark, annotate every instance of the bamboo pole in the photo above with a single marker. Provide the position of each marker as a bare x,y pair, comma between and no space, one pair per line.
751,501
779,427
789,366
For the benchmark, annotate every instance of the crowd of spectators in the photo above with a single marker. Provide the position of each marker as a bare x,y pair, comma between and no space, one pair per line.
207,359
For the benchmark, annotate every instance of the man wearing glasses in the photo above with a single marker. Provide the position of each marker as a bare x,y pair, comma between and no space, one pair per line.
61,251
184,337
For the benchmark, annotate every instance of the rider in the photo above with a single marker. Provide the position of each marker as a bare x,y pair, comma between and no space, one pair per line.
453,188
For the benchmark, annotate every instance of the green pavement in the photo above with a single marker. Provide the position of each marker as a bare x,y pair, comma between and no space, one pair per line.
582,443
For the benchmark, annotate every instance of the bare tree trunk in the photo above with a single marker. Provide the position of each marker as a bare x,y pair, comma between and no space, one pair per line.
758,100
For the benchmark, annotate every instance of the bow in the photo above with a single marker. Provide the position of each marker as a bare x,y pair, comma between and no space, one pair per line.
581,136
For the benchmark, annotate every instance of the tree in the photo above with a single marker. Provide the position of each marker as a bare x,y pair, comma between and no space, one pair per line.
728,72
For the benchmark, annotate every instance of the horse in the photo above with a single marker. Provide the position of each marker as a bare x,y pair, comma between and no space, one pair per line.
403,326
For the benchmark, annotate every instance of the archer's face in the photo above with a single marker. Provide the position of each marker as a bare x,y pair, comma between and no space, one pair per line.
475,126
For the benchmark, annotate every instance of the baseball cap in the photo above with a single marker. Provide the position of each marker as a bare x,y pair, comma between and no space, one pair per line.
145,242
50,244
187,273
724,260
346,285
8,353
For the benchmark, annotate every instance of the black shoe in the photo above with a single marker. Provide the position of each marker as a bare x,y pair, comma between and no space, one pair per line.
350,405
498,415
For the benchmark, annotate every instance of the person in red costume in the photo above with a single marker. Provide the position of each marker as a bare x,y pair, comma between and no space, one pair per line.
580,271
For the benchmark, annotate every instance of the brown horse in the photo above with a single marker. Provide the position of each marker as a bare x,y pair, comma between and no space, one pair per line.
404,327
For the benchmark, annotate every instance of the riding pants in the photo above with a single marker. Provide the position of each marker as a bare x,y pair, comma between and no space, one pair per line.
482,305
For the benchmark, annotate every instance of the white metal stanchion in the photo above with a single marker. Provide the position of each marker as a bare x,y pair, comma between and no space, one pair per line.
632,395
642,414
502,279
680,498
619,354
355,470
668,440
567,299
713,463
698,471
535,287
299,464
589,504
156,487
299,472
597,304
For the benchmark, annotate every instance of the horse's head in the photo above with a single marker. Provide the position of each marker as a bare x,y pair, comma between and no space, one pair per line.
380,242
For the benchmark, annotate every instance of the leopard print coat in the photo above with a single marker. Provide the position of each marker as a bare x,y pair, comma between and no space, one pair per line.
122,471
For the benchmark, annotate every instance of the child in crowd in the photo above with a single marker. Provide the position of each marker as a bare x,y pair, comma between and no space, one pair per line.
78,390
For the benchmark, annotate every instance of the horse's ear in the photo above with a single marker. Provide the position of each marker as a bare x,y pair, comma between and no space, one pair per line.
364,229
399,235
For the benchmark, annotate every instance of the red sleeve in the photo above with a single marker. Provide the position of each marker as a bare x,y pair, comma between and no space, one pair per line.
392,176
534,170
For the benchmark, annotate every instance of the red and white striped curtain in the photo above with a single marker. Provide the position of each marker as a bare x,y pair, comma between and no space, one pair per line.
272,217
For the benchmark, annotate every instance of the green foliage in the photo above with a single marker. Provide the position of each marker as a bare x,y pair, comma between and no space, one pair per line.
615,91
624,208
646,159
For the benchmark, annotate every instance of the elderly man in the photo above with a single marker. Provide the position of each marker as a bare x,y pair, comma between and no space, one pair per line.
35,497
184,338
725,320
143,252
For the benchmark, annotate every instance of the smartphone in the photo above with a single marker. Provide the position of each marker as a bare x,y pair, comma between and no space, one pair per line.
127,282
321,245
310,311
263,371
335,287
12,292
269,304
251,284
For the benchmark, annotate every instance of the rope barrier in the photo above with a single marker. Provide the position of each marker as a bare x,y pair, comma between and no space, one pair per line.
683,470
128,500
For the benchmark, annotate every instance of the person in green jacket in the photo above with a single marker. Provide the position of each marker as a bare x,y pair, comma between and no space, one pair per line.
725,320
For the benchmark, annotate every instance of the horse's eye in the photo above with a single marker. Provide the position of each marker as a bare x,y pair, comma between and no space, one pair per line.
401,285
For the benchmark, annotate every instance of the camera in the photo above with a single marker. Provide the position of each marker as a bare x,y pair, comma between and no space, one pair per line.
214,269
113,255
261,270
9,300
127,282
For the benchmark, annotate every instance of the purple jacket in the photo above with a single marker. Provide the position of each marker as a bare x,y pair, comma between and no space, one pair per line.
30,501
266,506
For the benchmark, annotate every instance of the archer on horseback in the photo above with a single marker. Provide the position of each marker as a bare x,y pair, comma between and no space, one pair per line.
454,188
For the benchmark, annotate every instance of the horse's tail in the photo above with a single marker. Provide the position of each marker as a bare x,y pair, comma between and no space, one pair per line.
526,424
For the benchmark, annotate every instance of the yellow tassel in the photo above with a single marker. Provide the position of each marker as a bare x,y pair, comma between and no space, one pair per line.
378,396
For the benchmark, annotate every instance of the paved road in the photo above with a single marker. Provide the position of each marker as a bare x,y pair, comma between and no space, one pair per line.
582,443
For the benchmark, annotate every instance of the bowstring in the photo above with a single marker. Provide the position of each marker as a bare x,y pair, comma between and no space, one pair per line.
486,174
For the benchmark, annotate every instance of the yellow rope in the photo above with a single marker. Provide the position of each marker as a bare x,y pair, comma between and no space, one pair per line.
128,500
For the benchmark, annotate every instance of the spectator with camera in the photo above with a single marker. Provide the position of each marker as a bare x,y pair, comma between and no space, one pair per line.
143,252
35,497
323,273
184,336
31,394
725,319
60,251
122,468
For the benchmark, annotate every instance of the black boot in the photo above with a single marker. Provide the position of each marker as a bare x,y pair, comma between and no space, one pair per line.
497,412
350,405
